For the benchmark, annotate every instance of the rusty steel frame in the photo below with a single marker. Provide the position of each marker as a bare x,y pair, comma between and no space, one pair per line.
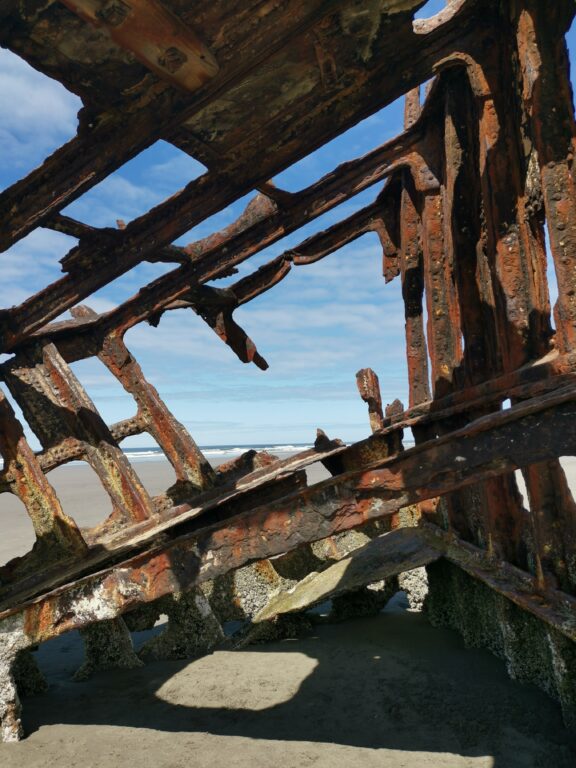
462,201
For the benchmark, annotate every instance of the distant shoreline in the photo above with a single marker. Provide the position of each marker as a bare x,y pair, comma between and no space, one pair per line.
222,452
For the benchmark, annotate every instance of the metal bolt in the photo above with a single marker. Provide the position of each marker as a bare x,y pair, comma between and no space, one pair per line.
115,13
172,59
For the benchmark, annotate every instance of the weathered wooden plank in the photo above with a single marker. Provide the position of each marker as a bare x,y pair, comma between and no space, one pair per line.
389,555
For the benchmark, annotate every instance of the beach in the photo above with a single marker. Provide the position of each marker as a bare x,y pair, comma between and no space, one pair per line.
389,690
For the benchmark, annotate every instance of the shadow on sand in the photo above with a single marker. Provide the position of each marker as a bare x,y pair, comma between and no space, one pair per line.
391,682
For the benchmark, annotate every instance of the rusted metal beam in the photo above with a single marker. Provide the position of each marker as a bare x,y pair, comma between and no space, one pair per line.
57,407
369,388
479,168
375,485
72,449
126,131
216,307
444,340
262,224
549,127
81,231
547,94
231,540
84,335
76,338
57,536
156,37
324,243
481,356
543,375
193,472
201,198
412,274
80,164
516,257
553,517
532,381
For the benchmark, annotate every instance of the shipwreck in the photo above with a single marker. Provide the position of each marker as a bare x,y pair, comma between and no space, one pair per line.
465,201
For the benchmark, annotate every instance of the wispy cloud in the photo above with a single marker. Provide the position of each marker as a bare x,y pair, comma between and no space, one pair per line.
31,263
179,169
114,198
140,184
38,116
316,328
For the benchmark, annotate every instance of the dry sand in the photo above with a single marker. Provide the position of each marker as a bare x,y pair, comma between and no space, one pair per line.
386,691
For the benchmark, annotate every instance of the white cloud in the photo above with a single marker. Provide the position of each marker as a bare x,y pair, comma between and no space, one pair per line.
31,264
114,198
40,117
136,187
179,169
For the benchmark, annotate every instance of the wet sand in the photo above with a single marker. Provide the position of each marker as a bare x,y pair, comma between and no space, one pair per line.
385,691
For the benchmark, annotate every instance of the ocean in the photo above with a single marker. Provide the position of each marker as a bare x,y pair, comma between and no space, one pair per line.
219,452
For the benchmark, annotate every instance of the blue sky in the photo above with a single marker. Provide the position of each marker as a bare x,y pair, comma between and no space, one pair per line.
316,328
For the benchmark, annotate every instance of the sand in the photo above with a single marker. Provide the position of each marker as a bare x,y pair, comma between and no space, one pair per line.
385,691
